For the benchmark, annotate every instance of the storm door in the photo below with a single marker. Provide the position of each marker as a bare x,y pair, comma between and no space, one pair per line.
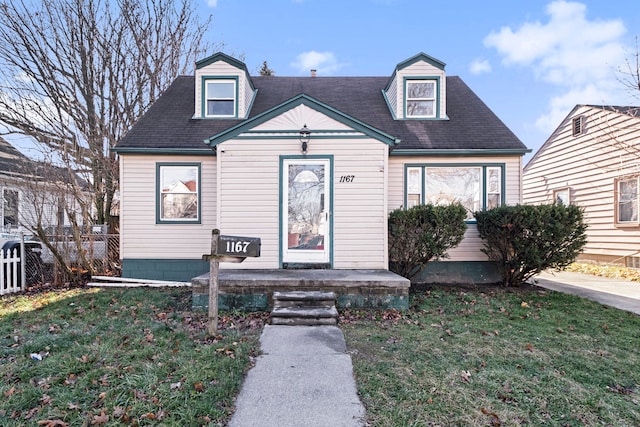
305,211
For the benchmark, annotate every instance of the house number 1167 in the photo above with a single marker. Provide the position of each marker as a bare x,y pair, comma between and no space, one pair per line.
347,178
237,247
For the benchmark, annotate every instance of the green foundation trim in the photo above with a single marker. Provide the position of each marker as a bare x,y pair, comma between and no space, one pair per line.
459,272
260,302
179,270
231,302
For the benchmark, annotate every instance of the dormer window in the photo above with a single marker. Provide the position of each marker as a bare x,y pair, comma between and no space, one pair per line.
421,98
220,97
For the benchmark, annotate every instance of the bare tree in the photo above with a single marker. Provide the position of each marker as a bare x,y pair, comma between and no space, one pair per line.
77,74
629,75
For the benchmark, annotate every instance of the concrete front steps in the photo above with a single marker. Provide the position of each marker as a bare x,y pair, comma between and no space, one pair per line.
308,308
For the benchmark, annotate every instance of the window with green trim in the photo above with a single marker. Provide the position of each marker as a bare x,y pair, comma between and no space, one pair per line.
421,98
178,192
220,98
476,187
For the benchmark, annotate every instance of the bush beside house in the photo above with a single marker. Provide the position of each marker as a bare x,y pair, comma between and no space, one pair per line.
422,233
524,240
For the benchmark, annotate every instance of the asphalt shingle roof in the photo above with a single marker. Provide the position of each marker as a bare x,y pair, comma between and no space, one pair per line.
169,123
12,161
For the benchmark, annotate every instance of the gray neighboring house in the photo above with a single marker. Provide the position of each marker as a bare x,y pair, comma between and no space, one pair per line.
311,165
592,160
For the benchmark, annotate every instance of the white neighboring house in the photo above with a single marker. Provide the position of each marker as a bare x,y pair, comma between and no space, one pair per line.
31,193
592,160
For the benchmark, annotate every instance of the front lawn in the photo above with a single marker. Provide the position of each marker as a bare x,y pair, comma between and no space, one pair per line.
119,357
496,357
458,357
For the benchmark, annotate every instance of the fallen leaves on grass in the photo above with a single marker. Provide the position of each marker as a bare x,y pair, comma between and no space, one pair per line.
98,420
495,420
615,272
52,423
621,389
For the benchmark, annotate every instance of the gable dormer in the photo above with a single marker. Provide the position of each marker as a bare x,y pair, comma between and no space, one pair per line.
417,89
224,89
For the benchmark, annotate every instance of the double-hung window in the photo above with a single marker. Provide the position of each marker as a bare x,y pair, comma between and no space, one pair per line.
476,187
220,97
178,192
627,201
10,208
421,98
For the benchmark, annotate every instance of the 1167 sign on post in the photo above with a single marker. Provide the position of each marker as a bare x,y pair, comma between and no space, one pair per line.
238,246
225,249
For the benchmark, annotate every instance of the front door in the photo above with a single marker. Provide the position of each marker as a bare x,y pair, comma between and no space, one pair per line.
306,211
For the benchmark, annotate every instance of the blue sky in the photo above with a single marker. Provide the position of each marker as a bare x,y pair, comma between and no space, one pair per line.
531,62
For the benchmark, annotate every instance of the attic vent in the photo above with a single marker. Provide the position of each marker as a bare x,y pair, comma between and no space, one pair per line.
578,126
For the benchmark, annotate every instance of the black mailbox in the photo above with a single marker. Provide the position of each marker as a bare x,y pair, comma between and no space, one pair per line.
237,246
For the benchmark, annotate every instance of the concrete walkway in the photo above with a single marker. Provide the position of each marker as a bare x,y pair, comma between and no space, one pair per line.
304,377
621,294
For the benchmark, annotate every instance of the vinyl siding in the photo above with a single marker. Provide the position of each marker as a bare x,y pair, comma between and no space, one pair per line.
141,237
469,248
419,69
250,189
588,165
392,96
221,68
38,203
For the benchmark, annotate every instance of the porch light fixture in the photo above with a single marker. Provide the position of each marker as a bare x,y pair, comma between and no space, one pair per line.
305,135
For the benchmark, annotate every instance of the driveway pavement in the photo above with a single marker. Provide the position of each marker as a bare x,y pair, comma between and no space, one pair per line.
622,294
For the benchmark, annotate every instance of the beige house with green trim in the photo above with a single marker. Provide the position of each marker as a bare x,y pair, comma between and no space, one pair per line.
310,165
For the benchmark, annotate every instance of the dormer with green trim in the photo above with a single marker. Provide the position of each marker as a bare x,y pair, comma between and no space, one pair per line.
417,89
224,89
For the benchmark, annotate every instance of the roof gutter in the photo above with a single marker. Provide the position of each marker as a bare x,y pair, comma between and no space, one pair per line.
460,152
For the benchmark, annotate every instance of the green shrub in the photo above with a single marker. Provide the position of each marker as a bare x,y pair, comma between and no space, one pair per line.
421,233
524,239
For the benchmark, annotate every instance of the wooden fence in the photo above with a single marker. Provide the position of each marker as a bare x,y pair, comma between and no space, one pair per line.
12,277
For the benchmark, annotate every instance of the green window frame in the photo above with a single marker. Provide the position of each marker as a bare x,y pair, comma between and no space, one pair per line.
178,193
421,96
476,186
219,97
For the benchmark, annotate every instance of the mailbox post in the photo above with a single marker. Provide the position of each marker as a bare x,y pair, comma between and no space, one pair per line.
214,266
225,249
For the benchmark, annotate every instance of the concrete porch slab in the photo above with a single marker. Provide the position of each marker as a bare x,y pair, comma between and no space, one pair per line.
252,290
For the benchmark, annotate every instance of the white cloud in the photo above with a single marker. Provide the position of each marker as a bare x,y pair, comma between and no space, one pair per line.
560,105
212,3
576,55
325,63
480,66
